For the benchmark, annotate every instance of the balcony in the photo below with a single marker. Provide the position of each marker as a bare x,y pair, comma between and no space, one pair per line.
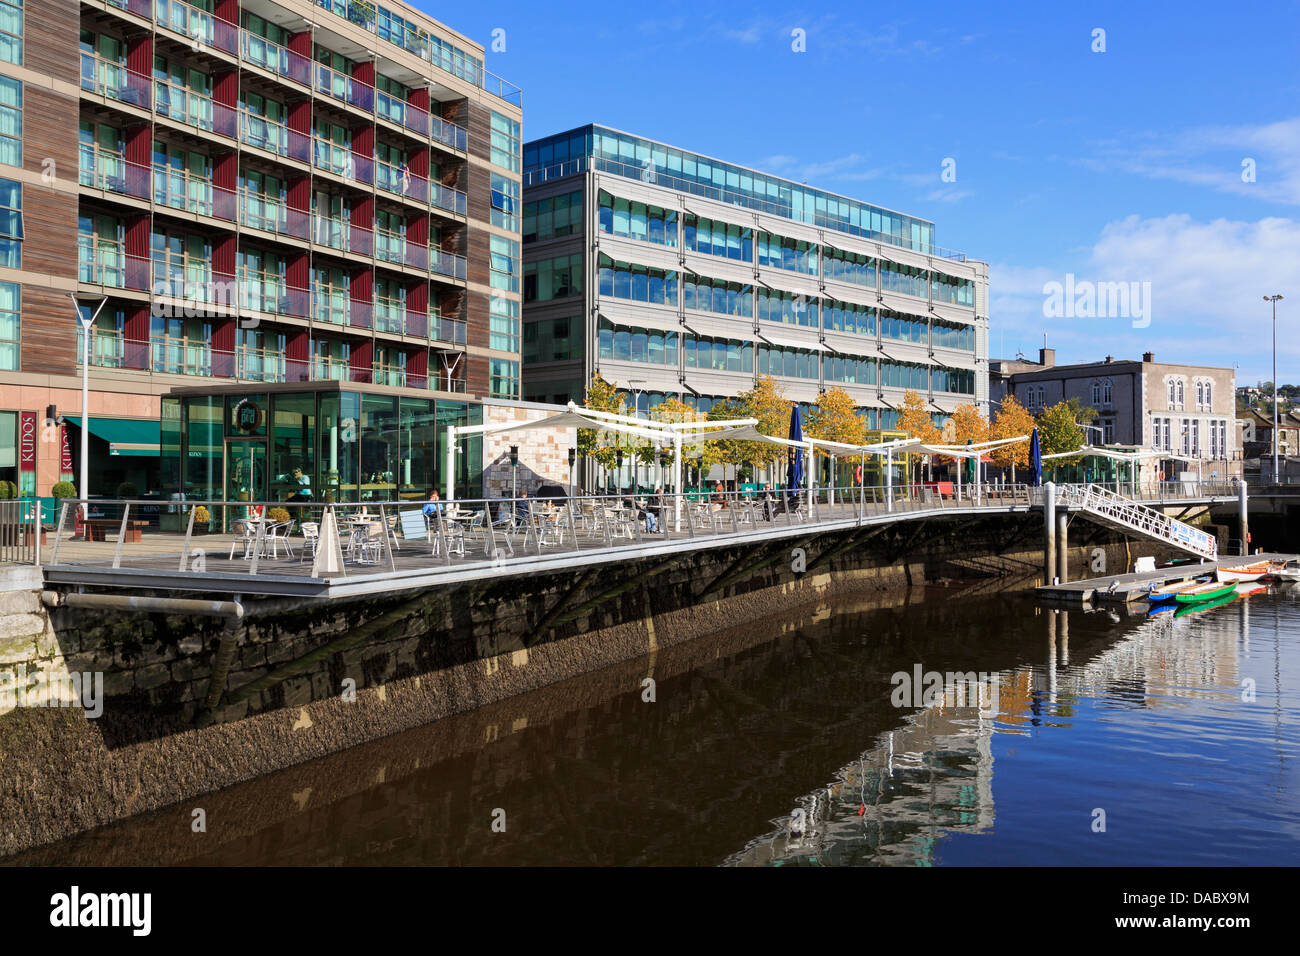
182,190
182,105
196,25
262,133
260,365
142,8
258,211
329,368
447,263
445,329
341,161
269,292
115,81
390,315
99,168
388,375
342,235
180,356
343,88
444,197
104,262
107,348
330,304
274,58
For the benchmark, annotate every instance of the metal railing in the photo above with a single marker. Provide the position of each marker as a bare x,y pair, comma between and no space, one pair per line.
282,537
20,522
1129,513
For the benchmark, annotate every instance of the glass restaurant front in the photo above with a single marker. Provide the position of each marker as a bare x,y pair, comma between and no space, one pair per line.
318,443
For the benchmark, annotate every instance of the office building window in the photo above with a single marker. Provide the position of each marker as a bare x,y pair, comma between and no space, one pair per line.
905,375
10,325
793,255
787,307
904,328
790,363
850,369
953,335
551,340
722,355
849,267
906,279
958,380
848,317
636,220
953,291
719,239
558,216
505,142
11,122
625,280
11,224
11,31
503,380
717,295
624,343
556,278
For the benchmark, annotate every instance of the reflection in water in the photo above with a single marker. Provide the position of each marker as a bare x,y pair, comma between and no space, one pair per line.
782,747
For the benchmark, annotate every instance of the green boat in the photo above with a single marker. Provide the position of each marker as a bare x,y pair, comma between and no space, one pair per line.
1206,592
1205,606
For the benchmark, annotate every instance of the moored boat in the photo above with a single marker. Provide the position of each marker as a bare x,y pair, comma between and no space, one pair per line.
1168,592
1291,573
1206,592
1205,605
1244,572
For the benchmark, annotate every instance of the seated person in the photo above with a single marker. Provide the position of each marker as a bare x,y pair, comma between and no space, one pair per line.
523,507
303,483
433,506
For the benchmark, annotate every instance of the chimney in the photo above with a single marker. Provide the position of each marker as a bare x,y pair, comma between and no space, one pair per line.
1148,356
1046,357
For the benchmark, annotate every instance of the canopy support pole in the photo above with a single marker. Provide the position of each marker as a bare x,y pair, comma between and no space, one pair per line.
677,481
889,479
451,463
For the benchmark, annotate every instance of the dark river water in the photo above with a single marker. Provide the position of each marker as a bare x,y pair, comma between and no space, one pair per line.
1076,738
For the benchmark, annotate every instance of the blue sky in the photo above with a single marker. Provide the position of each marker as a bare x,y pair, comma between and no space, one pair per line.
1115,166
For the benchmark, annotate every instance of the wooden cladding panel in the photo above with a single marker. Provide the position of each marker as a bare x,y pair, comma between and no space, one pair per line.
476,319
50,133
476,374
49,331
479,190
50,231
480,131
477,252
50,29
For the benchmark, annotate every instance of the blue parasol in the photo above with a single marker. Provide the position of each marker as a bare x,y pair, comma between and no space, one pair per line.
794,466
1035,460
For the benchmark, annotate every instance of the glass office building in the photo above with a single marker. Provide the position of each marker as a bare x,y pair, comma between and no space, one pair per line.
314,442
673,273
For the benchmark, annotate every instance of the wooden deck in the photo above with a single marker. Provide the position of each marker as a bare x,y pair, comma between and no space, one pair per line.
1125,588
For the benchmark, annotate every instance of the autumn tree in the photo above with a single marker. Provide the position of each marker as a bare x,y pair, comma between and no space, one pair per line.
1012,421
835,418
765,403
1059,432
602,396
916,421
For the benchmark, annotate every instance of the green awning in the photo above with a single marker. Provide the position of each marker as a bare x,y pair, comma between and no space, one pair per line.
129,437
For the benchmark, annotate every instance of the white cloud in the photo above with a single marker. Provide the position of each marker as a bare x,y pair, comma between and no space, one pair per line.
1207,280
1212,157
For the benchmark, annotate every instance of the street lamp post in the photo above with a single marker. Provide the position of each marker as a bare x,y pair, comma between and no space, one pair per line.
1274,299
514,476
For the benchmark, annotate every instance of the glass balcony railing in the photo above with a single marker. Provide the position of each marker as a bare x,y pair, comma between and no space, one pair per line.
260,365
115,81
344,88
330,304
198,26
341,161
104,262
107,348
262,133
388,375
445,329
390,315
180,356
180,189
277,59
142,7
390,246
444,197
103,169
446,263
261,291
329,368
258,211
183,105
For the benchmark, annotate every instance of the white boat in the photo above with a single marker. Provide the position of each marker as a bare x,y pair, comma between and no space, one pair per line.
1289,574
1244,573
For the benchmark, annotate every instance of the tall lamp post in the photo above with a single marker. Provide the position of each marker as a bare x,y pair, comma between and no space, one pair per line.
1274,299
573,458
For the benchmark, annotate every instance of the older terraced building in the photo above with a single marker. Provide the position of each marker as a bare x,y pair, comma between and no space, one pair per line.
281,197
673,273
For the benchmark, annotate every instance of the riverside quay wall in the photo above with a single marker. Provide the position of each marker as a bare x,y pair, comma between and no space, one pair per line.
173,706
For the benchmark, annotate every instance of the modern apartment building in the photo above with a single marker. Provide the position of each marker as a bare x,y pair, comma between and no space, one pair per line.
672,273
1186,410
274,192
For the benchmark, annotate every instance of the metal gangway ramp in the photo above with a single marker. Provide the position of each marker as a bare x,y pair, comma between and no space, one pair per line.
1118,511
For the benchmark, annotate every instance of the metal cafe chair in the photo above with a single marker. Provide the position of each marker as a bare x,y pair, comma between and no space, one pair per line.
310,539
245,534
